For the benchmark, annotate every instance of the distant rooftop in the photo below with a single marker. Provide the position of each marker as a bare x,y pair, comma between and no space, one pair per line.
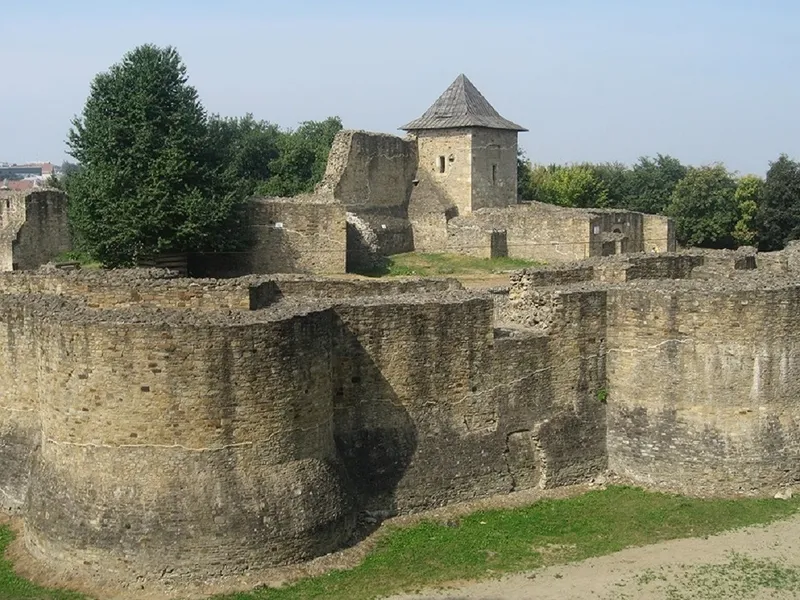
461,105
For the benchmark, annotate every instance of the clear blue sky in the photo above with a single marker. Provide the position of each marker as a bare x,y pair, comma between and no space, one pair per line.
708,80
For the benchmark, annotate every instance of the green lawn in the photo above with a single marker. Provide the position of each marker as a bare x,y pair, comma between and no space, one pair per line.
85,261
431,265
15,588
490,543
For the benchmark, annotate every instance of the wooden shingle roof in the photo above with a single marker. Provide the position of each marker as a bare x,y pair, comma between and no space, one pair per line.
461,105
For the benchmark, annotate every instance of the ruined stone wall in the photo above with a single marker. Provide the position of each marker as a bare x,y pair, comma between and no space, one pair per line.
275,427
307,234
33,228
659,234
130,287
665,266
416,420
466,237
283,416
494,168
429,211
239,471
574,438
20,424
537,231
342,289
432,406
703,382
551,234
607,225
126,288
570,440
373,236
370,170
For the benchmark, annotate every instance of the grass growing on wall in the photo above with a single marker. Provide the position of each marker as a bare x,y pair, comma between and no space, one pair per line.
432,265
490,543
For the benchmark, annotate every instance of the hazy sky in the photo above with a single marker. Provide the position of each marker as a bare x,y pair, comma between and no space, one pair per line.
596,80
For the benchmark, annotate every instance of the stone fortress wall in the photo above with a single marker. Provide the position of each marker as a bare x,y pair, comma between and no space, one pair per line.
161,430
151,443
33,228
398,199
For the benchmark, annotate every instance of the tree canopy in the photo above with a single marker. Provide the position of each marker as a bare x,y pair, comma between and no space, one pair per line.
148,182
157,174
704,207
748,193
569,185
651,182
778,216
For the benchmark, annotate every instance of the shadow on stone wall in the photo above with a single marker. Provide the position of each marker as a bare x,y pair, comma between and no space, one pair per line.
375,436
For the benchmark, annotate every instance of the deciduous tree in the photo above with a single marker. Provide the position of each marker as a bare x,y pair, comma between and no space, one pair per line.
704,207
148,182
571,185
302,158
778,216
748,192
651,183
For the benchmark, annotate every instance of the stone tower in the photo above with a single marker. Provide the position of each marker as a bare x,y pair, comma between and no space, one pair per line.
467,149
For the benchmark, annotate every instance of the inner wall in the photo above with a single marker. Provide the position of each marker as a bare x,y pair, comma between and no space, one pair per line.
703,388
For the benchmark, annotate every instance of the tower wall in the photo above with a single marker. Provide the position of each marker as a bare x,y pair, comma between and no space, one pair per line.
494,168
454,147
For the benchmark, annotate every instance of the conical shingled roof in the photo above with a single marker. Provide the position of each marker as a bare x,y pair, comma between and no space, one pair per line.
461,105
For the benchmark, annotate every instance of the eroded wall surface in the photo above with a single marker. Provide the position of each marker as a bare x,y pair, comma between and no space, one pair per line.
703,386
153,444
33,228
144,442
370,170
305,234
494,168
186,450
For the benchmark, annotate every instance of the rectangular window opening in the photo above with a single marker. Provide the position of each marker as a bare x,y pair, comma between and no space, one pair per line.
494,174
441,164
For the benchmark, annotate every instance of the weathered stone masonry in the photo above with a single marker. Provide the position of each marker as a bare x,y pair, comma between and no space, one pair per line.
150,443
33,228
144,442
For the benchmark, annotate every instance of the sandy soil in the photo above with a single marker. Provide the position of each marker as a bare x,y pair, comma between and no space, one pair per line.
753,563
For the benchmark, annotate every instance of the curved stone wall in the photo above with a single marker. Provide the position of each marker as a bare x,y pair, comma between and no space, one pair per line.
187,449
19,411
703,385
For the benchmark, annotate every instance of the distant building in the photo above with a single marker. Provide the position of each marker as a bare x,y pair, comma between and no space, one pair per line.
19,171
26,170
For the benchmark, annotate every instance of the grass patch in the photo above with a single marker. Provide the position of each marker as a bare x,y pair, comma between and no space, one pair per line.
15,588
431,265
739,578
86,261
549,532
490,543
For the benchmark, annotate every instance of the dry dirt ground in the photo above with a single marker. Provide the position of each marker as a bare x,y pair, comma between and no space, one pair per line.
749,564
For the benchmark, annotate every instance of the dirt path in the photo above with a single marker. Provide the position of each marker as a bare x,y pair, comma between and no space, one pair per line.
748,564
